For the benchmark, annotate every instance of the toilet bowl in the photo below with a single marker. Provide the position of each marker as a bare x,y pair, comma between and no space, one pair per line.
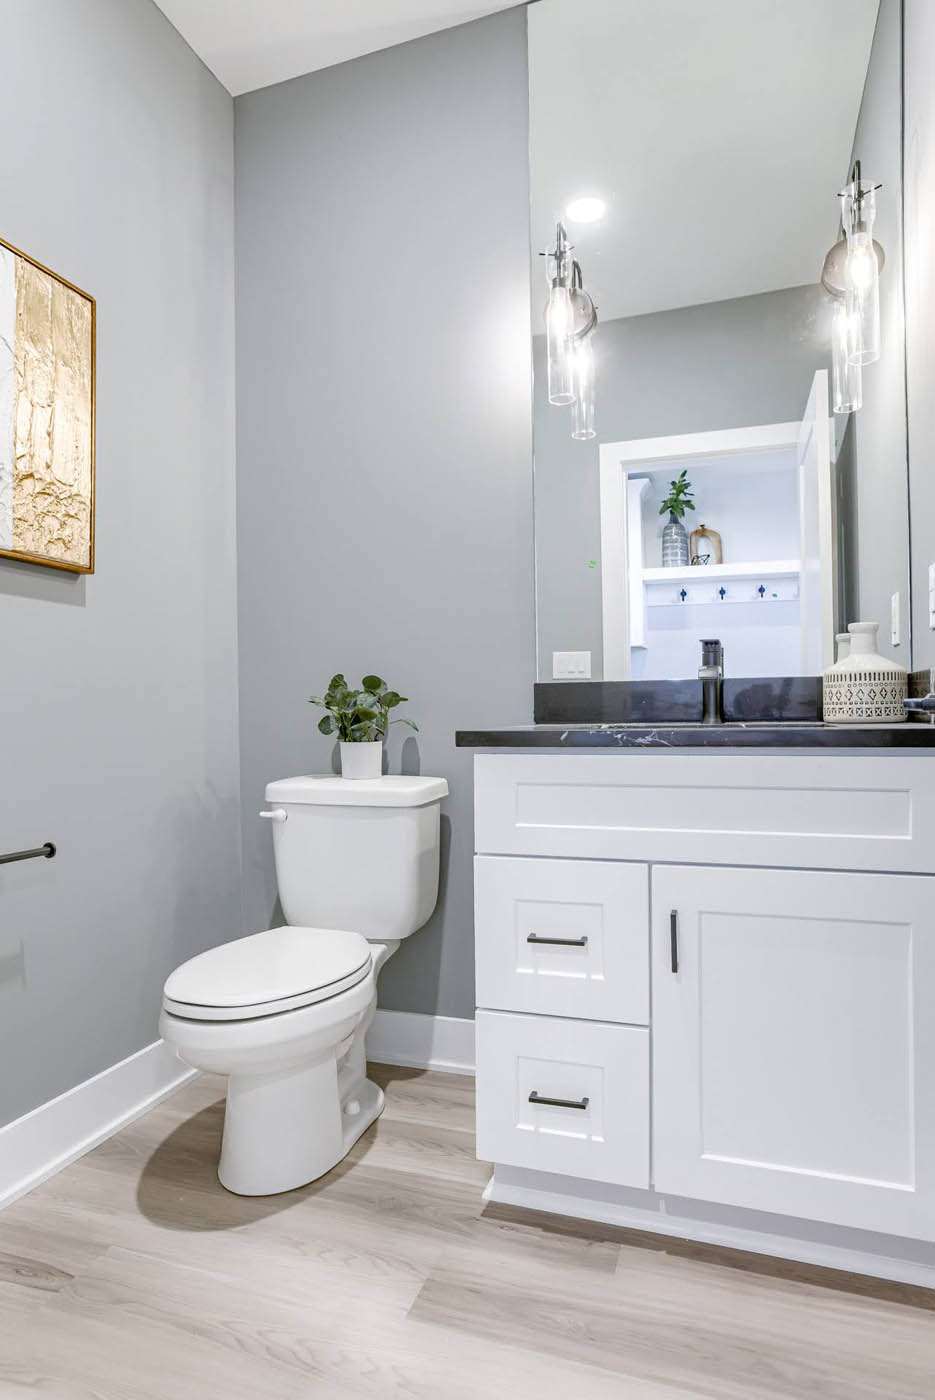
283,1013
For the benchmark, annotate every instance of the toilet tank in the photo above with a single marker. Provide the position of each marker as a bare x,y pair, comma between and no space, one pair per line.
357,854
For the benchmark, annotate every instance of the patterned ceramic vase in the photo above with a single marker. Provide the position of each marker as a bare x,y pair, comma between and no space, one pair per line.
674,544
864,688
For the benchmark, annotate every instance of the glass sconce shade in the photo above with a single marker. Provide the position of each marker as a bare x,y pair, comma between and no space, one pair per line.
559,322
846,374
582,413
862,274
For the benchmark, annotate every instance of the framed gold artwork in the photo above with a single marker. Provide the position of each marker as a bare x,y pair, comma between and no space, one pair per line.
47,388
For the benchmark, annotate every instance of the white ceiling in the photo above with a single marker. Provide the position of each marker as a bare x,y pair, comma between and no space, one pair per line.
718,131
250,44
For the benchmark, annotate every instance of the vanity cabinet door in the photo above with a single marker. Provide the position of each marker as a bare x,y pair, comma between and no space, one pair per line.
794,1043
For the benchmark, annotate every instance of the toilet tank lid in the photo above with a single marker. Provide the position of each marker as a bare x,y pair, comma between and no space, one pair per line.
327,790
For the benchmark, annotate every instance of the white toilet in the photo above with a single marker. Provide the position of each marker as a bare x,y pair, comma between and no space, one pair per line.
284,1013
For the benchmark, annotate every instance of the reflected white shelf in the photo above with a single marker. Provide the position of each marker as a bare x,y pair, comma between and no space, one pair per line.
696,573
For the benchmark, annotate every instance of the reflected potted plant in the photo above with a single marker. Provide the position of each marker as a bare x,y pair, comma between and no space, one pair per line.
360,718
674,538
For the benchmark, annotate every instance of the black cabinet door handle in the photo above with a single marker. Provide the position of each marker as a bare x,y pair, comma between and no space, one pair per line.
558,942
674,939
536,1097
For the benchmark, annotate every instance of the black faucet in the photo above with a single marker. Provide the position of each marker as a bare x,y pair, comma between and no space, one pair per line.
711,675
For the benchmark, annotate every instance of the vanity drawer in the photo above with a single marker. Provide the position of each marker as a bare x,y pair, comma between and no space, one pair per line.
872,811
599,1129
563,937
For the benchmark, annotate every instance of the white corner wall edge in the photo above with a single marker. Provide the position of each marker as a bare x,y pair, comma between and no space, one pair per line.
526,1192
422,1042
41,1143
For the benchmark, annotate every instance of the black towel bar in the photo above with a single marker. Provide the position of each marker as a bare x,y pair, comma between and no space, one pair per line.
48,850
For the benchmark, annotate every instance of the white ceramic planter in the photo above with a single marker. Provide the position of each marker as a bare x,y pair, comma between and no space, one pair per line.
362,760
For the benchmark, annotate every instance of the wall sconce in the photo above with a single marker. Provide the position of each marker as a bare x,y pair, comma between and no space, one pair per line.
559,321
570,319
847,390
851,273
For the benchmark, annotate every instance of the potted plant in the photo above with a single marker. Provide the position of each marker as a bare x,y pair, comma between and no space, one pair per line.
674,538
360,718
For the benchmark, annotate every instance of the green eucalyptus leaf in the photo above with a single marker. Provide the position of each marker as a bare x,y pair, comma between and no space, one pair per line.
373,684
327,724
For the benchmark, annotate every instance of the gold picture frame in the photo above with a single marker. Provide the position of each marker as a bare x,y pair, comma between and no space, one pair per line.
47,438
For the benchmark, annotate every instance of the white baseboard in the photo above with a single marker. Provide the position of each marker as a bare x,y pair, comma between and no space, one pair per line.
34,1147
521,1188
424,1042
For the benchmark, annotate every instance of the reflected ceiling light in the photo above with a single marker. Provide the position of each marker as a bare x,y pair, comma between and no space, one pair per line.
587,209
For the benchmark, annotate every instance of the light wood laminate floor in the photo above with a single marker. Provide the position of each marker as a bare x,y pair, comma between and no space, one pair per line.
133,1274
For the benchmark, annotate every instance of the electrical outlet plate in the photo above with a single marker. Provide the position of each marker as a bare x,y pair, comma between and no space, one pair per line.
571,665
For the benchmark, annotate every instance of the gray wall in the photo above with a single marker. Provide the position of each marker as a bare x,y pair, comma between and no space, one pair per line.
873,485
118,694
384,493
727,364
920,309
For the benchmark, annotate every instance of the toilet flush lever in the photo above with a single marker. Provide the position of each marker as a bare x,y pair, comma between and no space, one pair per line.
278,814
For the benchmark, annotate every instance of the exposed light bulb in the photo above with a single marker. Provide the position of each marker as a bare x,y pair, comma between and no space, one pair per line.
586,209
861,266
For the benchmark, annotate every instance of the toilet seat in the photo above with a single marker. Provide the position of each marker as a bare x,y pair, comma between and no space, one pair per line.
267,973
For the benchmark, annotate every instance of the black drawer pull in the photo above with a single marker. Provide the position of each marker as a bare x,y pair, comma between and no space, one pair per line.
536,1097
558,942
674,940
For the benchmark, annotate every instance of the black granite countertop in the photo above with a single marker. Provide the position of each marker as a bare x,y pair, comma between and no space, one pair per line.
787,734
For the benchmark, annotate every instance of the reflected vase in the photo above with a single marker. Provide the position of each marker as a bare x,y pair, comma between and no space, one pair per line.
674,544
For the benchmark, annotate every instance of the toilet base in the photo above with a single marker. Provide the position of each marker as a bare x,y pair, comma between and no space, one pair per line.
286,1129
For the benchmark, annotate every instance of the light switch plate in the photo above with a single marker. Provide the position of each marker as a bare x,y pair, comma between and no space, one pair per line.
571,665
932,596
894,620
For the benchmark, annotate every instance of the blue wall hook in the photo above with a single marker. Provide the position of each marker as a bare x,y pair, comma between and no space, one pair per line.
762,591
683,595
723,592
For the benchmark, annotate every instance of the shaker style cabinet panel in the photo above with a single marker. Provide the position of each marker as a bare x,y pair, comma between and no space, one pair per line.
563,937
794,1043
564,1096
834,811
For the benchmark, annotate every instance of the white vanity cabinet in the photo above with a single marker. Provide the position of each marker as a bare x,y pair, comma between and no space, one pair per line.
664,1004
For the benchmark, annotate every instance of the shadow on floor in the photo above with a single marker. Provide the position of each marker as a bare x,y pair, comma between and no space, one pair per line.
179,1187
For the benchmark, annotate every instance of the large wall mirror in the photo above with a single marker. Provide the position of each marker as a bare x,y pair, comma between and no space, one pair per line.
720,407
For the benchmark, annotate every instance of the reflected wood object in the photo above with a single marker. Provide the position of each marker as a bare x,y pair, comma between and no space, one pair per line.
695,545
